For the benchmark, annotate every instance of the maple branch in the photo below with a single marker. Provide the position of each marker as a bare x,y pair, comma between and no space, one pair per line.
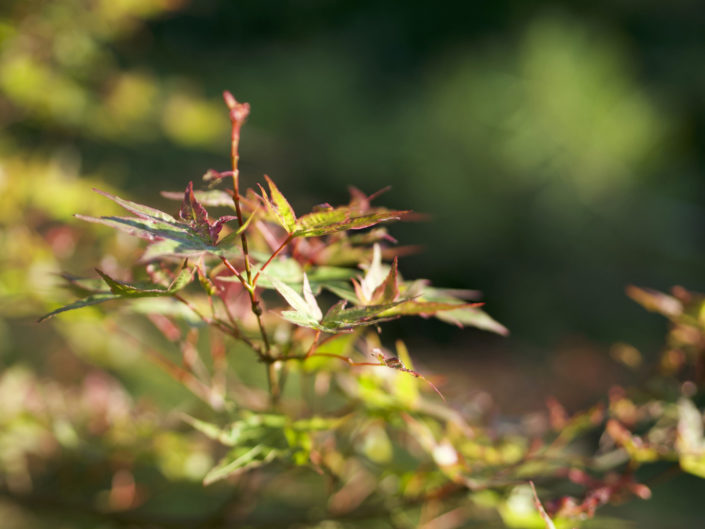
238,114
271,258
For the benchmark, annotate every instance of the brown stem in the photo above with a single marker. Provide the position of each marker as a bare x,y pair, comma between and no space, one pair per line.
238,114
271,258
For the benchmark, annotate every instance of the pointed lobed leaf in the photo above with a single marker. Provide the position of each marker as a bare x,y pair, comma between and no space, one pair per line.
193,213
95,299
427,308
280,207
308,311
297,318
339,318
472,317
388,291
174,239
335,220
138,209
374,277
129,290
311,300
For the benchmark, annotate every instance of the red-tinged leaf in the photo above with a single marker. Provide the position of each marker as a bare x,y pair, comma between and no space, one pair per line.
388,291
539,507
321,218
280,207
193,213
341,219
215,228
656,301
339,318
360,202
426,308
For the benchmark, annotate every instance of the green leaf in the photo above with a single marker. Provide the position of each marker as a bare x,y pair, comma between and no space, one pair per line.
297,318
240,460
210,430
138,209
280,207
472,317
339,318
100,297
165,306
172,239
121,290
211,198
168,235
413,307
321,223
311,300
305,306
130,290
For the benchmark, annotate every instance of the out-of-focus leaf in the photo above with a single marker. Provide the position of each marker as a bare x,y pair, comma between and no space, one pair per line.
241,460
121,290
638,450
472,317
85,302
690,442
427,308
211,197
656,301
165,306
145,212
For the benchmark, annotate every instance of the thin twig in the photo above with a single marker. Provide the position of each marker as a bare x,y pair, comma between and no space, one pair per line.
271,258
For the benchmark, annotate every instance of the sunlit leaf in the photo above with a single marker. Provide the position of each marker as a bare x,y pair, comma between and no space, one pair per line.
427,308
211,197
322,223
306,307
472,317
280,207
388,291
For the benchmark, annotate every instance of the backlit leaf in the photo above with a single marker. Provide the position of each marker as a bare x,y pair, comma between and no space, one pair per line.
280,207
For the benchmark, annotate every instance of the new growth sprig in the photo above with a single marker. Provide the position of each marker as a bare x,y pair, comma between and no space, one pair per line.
309,260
